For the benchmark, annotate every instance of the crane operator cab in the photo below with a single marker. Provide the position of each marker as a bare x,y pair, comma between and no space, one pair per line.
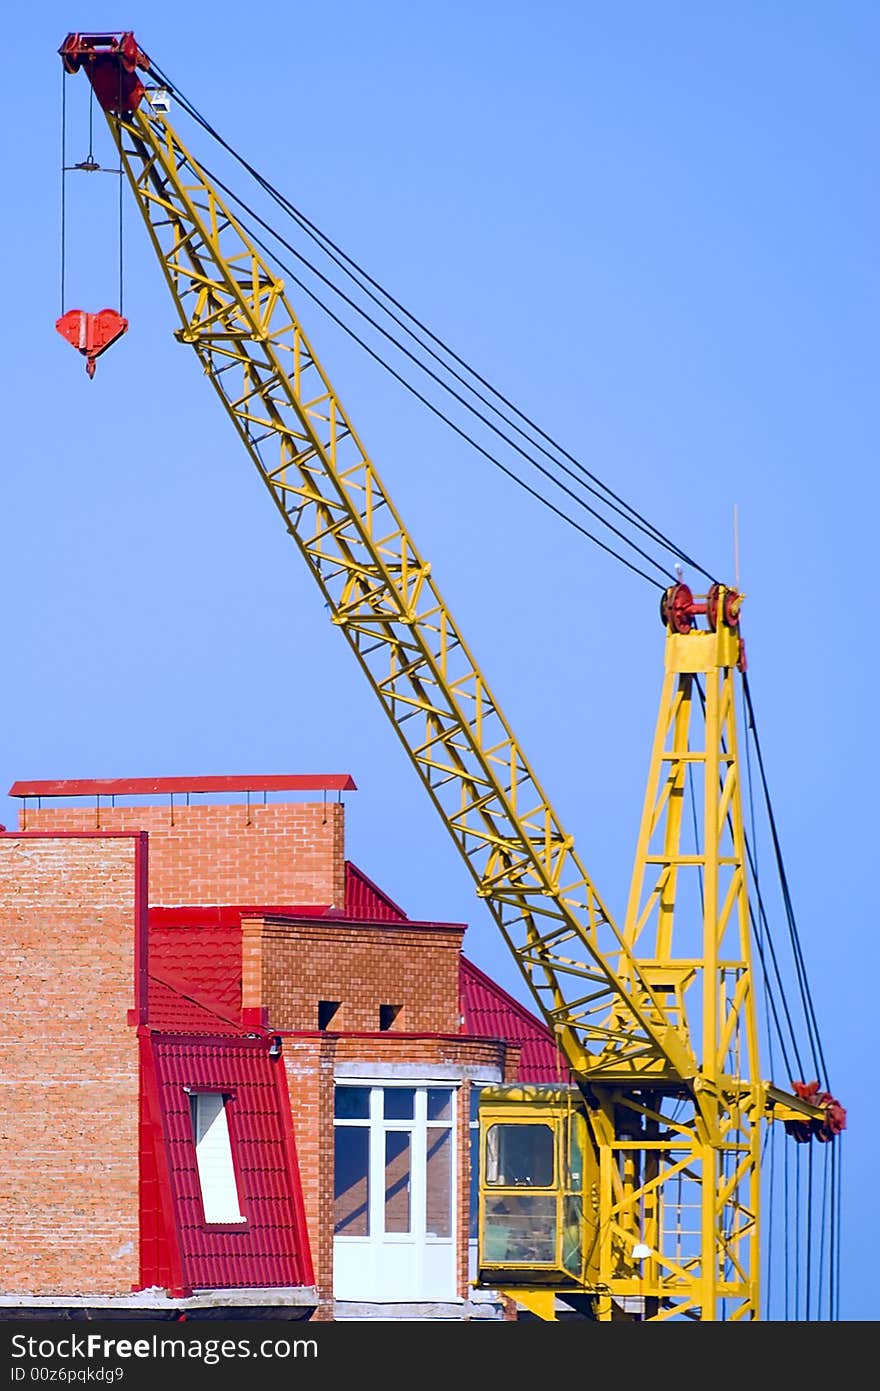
538,1190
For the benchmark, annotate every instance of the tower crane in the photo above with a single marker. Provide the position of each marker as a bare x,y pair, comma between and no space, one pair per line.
632,1191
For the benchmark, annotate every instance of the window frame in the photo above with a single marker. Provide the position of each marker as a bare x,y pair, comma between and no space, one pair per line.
228,1097
379,1126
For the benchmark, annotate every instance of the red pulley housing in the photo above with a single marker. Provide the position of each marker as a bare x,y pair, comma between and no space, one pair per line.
835,1115
726,611
111,62
677,608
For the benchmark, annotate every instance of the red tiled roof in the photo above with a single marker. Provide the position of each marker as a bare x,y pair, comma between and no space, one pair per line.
489,1012
203,960
173,1009
365,900
272,1246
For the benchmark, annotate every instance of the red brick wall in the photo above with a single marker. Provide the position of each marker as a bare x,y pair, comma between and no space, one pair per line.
290,966
278,853
68,1066
309,1066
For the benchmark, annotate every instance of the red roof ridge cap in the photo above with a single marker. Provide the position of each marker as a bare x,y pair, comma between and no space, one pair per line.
225,915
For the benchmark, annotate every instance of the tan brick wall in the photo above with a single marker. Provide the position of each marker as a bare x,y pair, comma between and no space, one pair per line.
68,1066
290,966
208,854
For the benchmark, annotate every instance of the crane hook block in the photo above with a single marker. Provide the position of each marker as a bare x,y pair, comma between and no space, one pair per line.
91,334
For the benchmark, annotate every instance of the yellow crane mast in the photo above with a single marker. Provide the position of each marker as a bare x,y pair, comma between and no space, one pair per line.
634,1192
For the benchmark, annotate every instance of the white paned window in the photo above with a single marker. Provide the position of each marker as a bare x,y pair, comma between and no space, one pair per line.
214,1157
395,1192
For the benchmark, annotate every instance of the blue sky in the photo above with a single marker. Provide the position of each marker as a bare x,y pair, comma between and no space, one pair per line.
655,229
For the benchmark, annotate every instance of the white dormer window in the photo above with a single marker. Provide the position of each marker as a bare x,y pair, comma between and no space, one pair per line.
210,1123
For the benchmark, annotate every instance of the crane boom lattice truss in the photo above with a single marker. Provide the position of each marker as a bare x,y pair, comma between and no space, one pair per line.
381,594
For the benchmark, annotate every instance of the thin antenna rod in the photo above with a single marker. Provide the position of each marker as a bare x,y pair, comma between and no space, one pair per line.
736,545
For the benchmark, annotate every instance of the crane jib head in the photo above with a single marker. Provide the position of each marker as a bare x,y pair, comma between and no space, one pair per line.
111,62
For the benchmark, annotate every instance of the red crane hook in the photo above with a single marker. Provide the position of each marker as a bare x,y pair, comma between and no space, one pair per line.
91,334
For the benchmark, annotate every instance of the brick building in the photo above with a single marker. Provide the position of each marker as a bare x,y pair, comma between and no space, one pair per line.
236,1075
